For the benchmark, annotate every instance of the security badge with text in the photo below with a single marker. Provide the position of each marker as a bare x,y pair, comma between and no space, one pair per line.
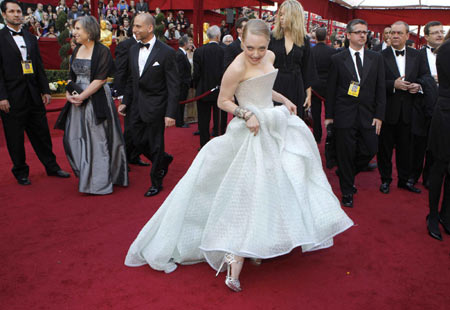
27,67
353,89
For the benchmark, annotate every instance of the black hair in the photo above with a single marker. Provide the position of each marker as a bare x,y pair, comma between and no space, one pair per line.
321,34
240,21
354,22
426,30
3,5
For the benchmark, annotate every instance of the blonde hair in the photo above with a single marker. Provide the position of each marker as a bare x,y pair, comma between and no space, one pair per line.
294,22
256,27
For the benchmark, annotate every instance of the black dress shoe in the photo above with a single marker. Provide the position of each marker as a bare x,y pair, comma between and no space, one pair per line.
445,225
409,186
139,162
60,174
165,165
347,201
183,126
23,181
355,190
196,133
384,188
433,229
370,167
152,191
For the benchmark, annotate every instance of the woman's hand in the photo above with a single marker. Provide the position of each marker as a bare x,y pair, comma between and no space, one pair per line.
73,99
307,103
253,124
290,106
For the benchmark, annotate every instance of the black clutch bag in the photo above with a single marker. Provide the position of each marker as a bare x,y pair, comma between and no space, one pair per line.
74,88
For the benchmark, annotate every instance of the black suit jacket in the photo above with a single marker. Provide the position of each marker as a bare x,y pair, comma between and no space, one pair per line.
400,103
13,83
423,106
154,93
322,56
231,52
208,66
121,64
142,7
378,47
184,68
346,110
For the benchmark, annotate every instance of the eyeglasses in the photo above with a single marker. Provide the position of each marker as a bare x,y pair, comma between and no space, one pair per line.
360,32
437,32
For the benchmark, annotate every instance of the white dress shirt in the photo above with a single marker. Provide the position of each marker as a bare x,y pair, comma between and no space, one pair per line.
431,61
401,61
361,55
383,46
20,44
144,53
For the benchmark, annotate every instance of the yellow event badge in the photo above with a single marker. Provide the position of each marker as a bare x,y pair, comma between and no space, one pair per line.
353,89
27,67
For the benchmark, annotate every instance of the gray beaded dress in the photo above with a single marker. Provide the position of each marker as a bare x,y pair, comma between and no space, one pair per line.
96,152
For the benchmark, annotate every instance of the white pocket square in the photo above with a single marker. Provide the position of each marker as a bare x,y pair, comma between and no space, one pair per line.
155,64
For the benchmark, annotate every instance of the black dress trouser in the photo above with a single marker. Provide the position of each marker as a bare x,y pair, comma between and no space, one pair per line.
316,110
421,160
355,148
32,120
439,174
204,118
396,136
184,91
149,141
131,151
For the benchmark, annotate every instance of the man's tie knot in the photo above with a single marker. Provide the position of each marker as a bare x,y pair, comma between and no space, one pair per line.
431,48
15,33
146,45
398,53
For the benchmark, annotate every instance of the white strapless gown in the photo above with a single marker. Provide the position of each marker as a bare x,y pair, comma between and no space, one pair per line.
253,196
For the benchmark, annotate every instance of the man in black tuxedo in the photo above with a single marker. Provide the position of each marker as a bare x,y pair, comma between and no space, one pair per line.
24,93
153,83
386,41
424,105
120,83
322,56
356,102
405,68
234,49
184,71
208,69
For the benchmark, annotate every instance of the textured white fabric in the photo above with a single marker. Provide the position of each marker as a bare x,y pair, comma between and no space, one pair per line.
253,196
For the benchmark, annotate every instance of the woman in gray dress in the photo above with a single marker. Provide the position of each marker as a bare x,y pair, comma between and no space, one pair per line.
93,139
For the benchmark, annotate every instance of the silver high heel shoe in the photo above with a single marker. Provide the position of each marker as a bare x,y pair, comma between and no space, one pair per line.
233,284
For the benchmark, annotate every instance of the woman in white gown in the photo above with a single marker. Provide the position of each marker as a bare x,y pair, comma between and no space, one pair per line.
257,192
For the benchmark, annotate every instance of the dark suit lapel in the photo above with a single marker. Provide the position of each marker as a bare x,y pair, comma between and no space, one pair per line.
28,44
151,57
367,63
409,65
11,41
135,59
392,63
348,62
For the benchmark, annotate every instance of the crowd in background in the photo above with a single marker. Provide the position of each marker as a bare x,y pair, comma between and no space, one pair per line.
40,20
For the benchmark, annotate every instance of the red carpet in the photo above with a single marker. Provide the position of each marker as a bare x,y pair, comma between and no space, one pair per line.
64,250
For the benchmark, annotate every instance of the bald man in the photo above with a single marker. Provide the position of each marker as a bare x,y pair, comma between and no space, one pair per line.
153,85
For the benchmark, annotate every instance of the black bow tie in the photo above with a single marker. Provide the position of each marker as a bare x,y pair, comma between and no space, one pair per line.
398,53
431,48
15,33
146,45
